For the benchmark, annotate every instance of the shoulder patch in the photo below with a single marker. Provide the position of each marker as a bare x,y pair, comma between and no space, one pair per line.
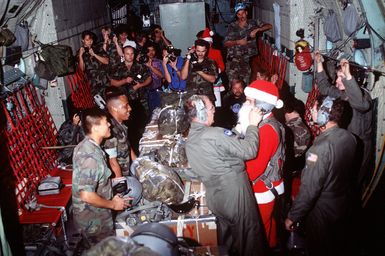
312,157
228,132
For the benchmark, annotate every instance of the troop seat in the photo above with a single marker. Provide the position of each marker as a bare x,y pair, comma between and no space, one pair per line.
66,175
29,130
52,208
45,214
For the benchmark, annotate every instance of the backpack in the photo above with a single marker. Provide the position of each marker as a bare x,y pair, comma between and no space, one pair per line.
44,70
6,37
331,28
60,58
351,20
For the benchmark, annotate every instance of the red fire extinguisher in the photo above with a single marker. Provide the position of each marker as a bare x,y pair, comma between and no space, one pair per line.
302,58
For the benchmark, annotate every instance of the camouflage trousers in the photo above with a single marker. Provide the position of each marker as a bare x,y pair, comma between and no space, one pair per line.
238,68
95,226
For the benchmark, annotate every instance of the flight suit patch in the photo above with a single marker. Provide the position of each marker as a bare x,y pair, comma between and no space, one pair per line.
312,157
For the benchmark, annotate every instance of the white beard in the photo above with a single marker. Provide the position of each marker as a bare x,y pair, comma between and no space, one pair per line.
243,119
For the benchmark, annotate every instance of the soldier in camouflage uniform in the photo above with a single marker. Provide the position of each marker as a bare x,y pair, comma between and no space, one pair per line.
298,139
118,146
298,136
134,77
93,60
113,48
91,187
200,74
241,45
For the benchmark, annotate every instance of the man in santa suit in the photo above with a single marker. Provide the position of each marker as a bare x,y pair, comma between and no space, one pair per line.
216,56
265,171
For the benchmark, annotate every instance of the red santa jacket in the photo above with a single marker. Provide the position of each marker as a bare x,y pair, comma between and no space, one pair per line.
268,145
216,56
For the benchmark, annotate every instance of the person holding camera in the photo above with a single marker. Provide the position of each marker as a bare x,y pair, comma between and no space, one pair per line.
159,39
172,66
131,75
240,43
93,61
199,71
156,69
216,56
141,39
112,47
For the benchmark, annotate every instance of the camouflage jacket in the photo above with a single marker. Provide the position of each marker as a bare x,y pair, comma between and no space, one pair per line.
91,174
113,57
195,84
301,135
234,32
136,70
118,146
97,73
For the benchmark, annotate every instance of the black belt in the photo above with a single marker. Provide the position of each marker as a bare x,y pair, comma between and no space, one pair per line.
269,185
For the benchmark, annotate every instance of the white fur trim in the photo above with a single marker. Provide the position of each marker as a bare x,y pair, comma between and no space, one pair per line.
261,95
208,39
268,196
211,33
279,104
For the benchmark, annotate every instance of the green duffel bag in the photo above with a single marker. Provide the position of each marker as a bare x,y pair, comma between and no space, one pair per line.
60,58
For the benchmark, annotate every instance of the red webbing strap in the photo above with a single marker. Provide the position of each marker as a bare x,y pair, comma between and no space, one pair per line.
311,98
81,90
282,71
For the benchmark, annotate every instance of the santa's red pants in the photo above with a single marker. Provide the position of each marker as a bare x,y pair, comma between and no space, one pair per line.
268,220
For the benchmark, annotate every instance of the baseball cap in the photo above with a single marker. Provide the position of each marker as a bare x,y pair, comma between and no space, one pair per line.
239,6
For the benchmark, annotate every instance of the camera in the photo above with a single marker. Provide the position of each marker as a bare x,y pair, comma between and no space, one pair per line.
111,36
198,67
194,58
143,58
173,53
86,49
136,78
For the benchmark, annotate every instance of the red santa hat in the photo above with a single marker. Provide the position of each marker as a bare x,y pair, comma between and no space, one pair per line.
207,35
264,91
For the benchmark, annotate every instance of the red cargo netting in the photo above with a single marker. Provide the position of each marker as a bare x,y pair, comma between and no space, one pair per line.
272,61
81,90
311,98
29,128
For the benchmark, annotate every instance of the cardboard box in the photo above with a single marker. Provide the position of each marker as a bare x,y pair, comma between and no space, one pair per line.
197,188
203,230
207,250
